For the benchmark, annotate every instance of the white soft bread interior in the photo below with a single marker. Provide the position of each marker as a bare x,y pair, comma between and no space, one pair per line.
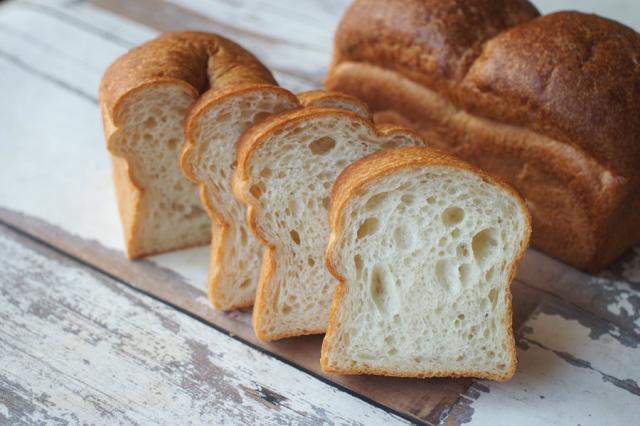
209,160
286,167
425,247
214,126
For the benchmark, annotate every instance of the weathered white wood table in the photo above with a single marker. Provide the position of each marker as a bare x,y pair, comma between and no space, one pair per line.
88,337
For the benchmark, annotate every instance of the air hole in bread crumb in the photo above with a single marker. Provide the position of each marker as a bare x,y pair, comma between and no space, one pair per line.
326,203
484,245
322,146
295,236
257,189
311,262
448,275
173,143
378,287
493,297
452,216
368,227
150,123
286,309
408,199
147,137
376,200
431,200
357,261
266,172
245,283
243,236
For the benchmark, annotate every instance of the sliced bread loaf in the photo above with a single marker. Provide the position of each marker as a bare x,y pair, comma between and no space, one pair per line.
286,167
425,247
213,128
144,97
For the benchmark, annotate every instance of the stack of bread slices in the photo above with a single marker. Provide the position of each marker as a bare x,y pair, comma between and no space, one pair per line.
321,219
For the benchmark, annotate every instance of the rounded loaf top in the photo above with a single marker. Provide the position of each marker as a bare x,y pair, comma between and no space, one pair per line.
571,76
197,60
431,41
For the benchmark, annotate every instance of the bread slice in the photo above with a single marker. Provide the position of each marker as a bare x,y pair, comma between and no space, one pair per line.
213,128
286,167
144,98
425,247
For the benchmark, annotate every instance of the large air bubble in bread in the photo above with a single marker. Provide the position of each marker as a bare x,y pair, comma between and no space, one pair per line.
426,255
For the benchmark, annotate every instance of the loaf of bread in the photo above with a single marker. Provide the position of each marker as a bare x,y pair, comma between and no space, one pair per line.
425,247
286,167
213,128
144,97
550,103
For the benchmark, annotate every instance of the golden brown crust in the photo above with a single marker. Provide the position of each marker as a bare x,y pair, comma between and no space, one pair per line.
328,99
194,61
197,61
570,80
351,182
570,76
247,146
433,41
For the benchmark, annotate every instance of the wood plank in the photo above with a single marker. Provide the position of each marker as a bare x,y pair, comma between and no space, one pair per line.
76,346
573,369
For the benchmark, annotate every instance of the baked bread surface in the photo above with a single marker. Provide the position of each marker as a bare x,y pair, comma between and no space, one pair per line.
144,98
425,247
548,103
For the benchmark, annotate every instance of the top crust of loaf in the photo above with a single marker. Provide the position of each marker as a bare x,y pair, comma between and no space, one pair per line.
329,99
196,61
434,42
570,76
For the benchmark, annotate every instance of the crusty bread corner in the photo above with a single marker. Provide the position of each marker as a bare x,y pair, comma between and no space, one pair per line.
179,66
352,181
248,145
548,103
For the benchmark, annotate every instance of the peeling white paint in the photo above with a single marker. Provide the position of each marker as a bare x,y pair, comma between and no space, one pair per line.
548,389
88,350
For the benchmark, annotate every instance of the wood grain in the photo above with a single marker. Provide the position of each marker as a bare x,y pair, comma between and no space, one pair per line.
78,347
574,368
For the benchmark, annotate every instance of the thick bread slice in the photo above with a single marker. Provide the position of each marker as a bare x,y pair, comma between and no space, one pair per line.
425,247
213,127
286,167
144,98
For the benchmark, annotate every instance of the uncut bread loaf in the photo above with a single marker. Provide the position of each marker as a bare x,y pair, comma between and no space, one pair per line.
425,247
549,103
286,167
144,97
213,128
